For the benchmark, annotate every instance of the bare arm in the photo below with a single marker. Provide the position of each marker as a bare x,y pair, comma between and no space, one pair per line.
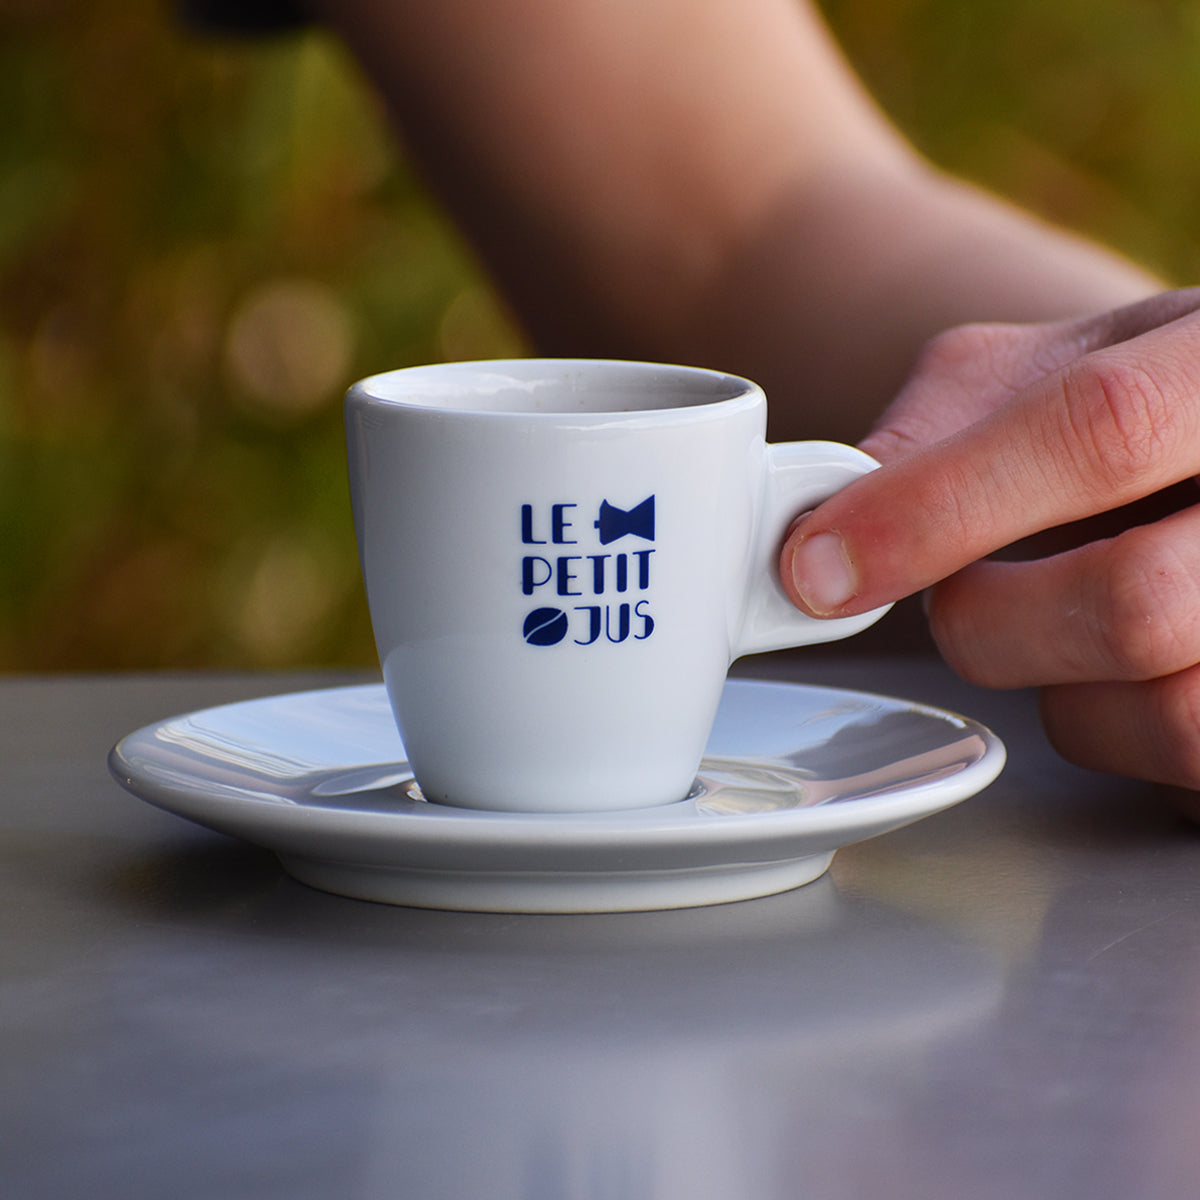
706,181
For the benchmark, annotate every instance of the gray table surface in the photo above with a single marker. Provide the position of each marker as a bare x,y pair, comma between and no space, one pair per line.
999,1001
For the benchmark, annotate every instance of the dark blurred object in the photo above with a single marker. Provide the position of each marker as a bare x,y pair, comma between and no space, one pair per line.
240,16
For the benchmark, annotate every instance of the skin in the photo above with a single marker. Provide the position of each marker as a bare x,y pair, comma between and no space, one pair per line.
1087,432
706,181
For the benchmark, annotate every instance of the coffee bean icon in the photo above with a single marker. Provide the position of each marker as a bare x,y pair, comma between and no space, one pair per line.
545,626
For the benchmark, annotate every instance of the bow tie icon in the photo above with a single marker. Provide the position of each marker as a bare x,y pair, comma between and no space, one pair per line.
616,522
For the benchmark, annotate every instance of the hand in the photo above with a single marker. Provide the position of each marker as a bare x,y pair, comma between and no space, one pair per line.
1005,432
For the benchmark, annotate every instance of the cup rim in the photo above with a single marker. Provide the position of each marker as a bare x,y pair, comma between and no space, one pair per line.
722,393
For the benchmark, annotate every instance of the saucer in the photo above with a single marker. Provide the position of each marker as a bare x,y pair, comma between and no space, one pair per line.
791,774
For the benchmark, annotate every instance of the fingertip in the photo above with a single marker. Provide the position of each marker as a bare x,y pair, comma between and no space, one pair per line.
818,573
791,540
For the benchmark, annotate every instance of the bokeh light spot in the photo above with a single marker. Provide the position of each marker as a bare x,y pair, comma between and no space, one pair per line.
290,346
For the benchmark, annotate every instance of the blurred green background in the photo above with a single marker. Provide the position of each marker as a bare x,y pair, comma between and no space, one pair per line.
203,242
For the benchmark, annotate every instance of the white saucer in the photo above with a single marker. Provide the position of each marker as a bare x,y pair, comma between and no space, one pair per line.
791,774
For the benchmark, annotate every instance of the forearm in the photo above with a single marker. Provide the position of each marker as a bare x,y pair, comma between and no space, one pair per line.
830,307
703,180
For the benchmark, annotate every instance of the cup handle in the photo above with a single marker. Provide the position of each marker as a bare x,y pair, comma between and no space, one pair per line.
798,477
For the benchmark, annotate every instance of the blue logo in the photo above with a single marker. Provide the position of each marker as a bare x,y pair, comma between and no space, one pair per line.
545,627
612,586
614,523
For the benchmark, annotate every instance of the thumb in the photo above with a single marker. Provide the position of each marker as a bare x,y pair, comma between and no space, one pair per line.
1114,426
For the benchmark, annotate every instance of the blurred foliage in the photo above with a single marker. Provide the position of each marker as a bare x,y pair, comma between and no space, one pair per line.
203,242
1086,111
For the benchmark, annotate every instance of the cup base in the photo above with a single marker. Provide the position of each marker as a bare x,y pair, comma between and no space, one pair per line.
413,791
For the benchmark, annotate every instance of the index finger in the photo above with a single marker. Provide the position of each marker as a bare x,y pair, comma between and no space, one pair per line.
1109,428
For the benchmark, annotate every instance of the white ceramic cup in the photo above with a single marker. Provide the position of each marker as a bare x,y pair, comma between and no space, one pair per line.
562,558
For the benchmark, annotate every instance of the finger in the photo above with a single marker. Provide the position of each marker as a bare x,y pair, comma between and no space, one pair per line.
966,372
1110,428
1133,320
1126,608
1148,730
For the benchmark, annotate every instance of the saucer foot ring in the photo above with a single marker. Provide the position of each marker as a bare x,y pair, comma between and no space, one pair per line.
557,892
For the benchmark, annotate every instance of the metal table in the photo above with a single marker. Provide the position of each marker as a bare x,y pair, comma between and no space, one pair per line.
1000,1001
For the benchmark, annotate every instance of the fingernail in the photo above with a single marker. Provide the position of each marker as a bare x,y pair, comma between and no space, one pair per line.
822,574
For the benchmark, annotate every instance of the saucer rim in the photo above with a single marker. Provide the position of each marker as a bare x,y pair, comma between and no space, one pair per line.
662,820
661,850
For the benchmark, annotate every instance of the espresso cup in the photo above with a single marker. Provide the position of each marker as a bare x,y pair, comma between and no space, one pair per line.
562,558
